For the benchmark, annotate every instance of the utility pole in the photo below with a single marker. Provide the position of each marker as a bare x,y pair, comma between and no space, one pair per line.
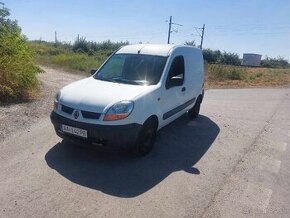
202,35
55,37
169,29
78,37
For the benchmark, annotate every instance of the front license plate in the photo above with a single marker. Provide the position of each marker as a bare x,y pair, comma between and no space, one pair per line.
74,131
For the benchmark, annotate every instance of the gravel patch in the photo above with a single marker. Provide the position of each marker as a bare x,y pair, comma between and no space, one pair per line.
19,116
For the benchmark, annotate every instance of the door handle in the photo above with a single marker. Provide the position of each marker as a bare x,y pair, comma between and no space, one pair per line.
183,89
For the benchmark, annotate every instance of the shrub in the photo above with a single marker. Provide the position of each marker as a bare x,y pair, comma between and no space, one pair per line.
235,74
218,57
17,70
91,48
230,59
82,55
211,56
221,72
81,45
80,62
275,62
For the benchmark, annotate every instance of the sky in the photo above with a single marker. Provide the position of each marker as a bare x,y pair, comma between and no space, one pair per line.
240,26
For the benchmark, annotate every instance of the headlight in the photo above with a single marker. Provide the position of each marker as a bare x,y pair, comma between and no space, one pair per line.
56,99
119,111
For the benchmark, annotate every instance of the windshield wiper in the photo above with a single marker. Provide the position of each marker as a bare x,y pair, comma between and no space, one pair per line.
105,79
127,81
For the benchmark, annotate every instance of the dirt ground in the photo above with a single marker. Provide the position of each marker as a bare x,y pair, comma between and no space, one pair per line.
15,117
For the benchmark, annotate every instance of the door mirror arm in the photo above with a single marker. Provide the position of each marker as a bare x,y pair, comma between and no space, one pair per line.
93,71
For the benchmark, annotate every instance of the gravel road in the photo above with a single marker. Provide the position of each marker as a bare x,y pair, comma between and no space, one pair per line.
232,161
21,116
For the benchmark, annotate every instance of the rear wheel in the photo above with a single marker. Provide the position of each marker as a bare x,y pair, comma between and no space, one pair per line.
146,138
194,111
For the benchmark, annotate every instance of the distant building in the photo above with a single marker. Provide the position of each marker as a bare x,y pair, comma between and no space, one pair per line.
252,60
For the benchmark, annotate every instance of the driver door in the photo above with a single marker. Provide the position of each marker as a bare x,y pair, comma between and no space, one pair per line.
174,91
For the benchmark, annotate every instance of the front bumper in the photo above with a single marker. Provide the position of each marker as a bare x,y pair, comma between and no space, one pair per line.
113,135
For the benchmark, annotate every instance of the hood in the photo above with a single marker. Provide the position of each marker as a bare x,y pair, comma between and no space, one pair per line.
94,95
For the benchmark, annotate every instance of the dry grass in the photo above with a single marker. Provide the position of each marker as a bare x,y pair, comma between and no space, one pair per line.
221,76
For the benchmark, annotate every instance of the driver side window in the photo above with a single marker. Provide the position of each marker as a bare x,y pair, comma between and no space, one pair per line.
176,73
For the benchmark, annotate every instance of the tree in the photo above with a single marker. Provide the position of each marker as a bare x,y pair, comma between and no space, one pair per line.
212,56
275,62
230,58
5,22
218,57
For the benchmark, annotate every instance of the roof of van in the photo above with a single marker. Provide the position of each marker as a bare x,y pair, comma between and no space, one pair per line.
152,49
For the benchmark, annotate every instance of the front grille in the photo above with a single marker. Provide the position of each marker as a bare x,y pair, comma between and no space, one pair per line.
90,115
67,109
86,114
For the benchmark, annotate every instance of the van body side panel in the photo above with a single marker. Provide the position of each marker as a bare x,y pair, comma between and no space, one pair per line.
195,72
179,102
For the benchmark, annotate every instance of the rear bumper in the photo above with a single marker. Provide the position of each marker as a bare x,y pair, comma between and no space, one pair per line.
113,135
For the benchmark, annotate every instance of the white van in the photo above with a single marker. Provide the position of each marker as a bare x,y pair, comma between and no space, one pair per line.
138,90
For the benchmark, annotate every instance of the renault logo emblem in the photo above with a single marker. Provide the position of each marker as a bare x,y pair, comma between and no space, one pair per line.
76,114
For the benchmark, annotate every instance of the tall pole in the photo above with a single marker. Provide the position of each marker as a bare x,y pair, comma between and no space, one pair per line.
169,30
55,37
202,35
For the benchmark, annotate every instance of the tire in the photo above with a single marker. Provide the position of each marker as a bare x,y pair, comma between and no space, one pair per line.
194,111
146,138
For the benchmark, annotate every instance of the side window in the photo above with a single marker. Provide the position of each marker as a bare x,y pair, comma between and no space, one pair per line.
176,73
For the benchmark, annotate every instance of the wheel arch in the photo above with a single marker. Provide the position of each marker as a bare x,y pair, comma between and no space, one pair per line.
153,118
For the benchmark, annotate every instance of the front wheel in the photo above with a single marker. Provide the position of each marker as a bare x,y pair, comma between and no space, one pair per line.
146,138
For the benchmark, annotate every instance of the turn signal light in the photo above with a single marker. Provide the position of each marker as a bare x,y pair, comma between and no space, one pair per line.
110,117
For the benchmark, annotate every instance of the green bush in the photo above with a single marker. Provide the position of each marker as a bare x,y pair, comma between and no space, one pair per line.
230,59
218,57
211,56
49,48
80,62
81,45
275,62
17,70
221,72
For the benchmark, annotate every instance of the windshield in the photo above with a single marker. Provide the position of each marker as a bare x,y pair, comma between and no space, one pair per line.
135,69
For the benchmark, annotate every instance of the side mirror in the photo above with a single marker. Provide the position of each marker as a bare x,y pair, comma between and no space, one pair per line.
93,71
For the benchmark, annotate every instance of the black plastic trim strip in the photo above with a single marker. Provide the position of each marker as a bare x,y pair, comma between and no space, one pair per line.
177,109
91,115
67,109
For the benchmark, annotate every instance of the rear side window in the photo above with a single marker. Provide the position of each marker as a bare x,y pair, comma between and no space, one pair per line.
176,72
